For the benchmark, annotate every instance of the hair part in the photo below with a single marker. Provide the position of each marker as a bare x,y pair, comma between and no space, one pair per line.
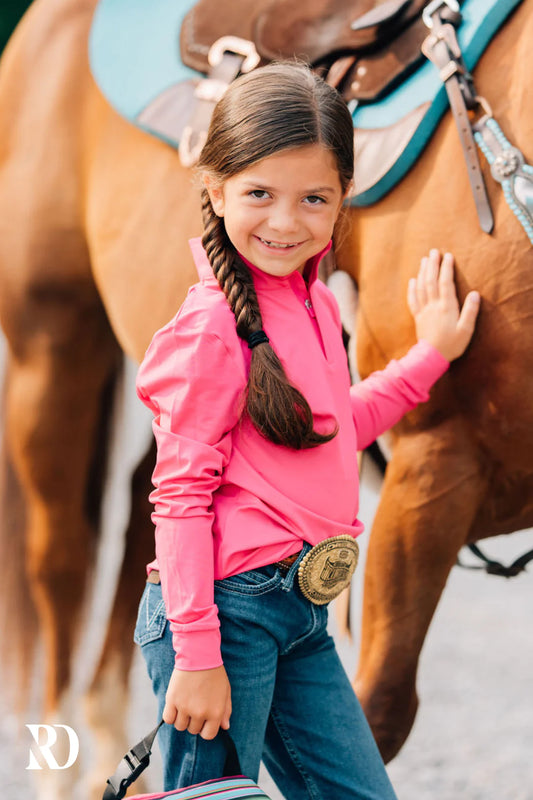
279,107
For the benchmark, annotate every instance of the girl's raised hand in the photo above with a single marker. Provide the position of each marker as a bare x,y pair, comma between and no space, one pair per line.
432,301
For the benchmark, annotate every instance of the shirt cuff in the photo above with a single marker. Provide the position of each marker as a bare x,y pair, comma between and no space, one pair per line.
197,650
425,364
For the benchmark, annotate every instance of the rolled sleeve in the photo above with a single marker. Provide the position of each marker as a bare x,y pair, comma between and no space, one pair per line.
190,381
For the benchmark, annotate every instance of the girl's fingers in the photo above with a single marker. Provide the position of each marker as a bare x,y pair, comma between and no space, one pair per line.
209,730
227,714
421,295
446,282
468,316
182,721
412,300
431,275
195,725
169,713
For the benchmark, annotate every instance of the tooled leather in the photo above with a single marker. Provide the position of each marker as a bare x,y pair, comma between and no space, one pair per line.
315,31
283,28
207,21
375,73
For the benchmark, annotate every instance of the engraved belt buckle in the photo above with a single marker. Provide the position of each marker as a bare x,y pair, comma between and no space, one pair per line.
327,568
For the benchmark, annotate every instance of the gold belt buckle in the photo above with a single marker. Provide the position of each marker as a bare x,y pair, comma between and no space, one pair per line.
328,568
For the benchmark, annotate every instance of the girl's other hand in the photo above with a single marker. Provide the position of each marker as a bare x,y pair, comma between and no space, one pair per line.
199,701
432,300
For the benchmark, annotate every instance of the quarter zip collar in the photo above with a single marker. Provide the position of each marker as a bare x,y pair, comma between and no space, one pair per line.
262,280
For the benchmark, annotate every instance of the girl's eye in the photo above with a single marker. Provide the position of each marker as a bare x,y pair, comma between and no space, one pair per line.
259,194
314,200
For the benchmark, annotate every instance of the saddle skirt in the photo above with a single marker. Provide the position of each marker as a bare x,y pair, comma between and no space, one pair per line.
135,60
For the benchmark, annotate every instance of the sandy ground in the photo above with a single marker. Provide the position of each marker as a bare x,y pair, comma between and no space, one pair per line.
473,737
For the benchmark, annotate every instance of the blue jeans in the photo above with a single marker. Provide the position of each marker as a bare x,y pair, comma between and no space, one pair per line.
293,705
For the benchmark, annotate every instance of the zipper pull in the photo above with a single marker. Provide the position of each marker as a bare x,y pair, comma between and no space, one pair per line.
309,306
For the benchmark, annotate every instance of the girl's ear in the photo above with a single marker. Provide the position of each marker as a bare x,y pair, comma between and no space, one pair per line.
216,193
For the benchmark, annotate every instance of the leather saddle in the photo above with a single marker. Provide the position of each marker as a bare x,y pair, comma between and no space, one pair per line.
369,50
363,48
376,43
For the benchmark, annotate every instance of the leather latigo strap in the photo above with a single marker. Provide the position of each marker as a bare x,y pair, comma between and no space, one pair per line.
442,49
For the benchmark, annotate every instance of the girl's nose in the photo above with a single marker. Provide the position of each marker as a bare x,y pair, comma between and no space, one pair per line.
283,219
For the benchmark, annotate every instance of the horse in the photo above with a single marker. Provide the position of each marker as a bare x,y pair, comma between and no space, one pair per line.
94,221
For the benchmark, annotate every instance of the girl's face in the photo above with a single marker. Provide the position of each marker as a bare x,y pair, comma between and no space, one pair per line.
280,212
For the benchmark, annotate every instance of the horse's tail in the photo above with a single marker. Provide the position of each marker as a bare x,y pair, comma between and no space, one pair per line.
18,616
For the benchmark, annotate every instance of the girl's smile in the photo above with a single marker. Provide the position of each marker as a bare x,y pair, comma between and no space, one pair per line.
280,212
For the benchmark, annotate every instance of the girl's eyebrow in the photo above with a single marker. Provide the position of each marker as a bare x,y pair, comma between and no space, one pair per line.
315,190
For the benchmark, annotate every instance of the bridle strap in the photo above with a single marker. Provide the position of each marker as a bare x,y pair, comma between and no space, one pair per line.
493,567
442,49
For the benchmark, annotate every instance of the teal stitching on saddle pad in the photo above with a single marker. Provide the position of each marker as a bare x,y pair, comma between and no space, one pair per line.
134,51
517,188
134,57
481,21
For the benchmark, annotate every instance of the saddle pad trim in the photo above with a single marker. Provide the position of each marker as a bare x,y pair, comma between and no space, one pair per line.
134,57
425,85
134,51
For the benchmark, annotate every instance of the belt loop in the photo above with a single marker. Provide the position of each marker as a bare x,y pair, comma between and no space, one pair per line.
288,580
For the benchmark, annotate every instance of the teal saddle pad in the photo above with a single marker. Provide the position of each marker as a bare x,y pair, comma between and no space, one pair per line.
134,57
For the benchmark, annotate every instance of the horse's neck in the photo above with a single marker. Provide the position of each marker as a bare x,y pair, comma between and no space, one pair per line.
504,73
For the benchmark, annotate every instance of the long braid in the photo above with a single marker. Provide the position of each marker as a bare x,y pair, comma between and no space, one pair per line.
276,408
232,275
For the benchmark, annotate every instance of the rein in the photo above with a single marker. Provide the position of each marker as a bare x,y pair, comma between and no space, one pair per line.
493,567
489,565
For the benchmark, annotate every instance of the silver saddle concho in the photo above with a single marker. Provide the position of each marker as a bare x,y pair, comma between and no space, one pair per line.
327,568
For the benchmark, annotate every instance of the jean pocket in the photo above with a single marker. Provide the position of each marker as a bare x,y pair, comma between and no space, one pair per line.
252,582
152,617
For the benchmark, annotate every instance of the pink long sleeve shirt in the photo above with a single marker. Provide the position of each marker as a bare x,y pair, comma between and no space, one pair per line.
226,499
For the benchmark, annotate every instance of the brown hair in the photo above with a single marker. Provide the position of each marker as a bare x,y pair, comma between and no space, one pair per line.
273,108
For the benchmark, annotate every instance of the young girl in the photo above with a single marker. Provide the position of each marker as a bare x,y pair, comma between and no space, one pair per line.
257,428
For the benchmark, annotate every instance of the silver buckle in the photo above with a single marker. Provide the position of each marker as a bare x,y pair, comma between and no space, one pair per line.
430,9
234,44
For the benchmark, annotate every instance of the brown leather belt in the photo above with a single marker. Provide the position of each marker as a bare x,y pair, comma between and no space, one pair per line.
286,563
325,570
284,566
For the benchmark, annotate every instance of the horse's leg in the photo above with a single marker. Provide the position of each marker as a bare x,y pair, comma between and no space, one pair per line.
62,355
433,488
109,687
52,417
